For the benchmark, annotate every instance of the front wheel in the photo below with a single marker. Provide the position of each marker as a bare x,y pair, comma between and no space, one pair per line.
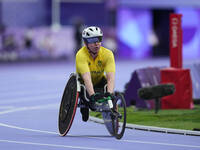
119,115
68,106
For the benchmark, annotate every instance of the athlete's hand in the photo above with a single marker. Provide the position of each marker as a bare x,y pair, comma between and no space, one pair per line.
93,98
108,94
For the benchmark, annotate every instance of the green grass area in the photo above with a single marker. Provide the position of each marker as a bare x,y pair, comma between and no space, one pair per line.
176,119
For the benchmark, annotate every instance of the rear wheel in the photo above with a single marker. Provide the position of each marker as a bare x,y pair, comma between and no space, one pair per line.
119,116
68,106
107,117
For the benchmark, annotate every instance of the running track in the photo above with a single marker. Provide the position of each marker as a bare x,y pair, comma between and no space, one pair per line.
30,94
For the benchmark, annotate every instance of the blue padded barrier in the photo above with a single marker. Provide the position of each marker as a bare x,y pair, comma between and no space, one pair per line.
141,78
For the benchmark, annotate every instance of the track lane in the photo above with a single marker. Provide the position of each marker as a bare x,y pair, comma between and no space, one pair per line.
29,111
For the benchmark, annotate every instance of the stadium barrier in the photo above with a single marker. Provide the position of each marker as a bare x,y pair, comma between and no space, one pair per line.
195,75
150,76
141,78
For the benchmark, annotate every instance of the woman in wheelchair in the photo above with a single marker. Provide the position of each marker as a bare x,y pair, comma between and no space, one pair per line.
96,67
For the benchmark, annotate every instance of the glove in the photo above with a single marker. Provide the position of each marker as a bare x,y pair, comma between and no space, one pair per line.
96,97
93,98
108,94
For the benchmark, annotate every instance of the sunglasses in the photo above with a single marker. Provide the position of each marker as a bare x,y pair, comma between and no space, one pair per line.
94,40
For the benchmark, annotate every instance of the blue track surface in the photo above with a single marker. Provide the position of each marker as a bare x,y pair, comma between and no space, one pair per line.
30,95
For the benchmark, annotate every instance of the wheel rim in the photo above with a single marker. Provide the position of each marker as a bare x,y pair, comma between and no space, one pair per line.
68,106
119,123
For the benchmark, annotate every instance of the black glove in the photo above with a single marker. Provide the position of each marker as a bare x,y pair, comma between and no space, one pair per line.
93,98
108,94
96,97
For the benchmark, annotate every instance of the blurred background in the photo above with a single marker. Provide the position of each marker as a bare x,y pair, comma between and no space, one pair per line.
136,31
51,29
39,39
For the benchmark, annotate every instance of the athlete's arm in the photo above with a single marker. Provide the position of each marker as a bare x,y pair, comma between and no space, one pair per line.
110,81
110,72
88,83
83,69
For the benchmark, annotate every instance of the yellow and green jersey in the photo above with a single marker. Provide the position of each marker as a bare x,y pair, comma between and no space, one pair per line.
104,62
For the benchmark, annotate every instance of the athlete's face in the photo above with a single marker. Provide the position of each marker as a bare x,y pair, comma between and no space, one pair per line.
94,47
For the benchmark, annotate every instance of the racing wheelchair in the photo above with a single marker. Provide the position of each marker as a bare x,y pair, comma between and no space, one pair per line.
113,111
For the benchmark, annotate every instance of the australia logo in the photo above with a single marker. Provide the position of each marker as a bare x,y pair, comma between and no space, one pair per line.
99,63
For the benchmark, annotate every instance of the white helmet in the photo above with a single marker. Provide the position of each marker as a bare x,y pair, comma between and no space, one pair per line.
92,32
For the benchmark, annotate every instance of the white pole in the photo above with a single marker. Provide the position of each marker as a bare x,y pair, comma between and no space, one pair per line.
55,15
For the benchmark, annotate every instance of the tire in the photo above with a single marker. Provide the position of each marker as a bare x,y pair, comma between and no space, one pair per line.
108,122
68,106
119,123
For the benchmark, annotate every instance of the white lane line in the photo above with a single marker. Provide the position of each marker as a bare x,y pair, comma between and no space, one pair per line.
53,145
7,107
54,105
158,143
26,129
29,98
129,141
31,92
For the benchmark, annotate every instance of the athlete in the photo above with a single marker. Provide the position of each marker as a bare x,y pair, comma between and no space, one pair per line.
95,65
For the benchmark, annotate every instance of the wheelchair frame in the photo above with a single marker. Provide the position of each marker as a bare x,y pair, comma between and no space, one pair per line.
111,116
